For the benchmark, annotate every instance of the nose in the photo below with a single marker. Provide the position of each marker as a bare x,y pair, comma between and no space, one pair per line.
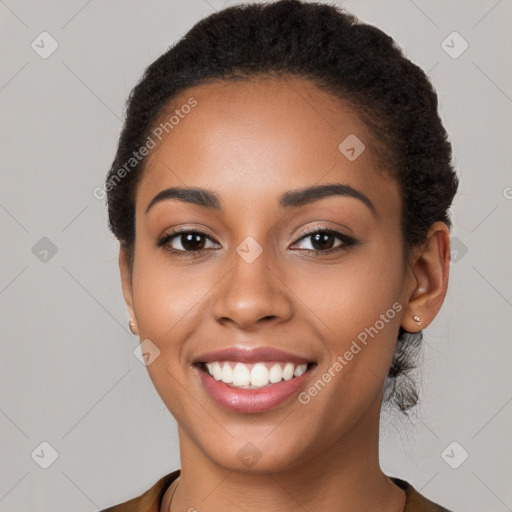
252,293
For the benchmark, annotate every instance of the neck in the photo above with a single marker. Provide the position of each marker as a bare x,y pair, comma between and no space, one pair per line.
345,475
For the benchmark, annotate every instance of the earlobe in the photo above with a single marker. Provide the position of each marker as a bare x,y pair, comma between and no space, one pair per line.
126,285
428,276
133,327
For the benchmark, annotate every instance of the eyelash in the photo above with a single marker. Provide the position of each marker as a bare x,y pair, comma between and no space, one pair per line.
347,240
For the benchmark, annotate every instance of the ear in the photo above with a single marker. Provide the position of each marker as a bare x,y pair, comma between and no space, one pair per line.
126,284
427,279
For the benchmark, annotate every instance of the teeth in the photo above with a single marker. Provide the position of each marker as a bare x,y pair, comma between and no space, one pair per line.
227,374
300,369
288,371
216,370
276,373
259,375
254,376
241,375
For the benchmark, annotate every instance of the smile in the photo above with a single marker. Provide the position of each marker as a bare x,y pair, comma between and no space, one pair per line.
254,376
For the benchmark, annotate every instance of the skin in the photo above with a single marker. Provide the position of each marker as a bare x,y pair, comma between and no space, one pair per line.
249,142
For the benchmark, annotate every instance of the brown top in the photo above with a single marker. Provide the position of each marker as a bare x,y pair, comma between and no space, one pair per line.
151,500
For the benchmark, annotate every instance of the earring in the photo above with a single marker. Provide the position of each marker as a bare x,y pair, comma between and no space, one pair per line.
416,318
133,327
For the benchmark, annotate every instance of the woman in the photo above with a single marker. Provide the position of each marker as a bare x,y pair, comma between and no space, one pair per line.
281,193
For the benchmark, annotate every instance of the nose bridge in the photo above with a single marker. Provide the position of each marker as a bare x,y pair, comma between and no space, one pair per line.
251,291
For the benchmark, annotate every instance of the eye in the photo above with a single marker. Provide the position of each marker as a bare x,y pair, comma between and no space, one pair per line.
182,242
321,240
185,241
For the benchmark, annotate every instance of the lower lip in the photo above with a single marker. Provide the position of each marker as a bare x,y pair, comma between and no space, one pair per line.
250,401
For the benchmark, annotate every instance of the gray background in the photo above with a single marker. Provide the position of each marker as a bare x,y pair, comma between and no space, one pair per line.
68,375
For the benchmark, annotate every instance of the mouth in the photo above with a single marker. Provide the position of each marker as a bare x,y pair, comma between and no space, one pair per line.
249,381
258,375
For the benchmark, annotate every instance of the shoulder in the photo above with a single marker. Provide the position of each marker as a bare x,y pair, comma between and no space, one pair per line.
150,500
416,502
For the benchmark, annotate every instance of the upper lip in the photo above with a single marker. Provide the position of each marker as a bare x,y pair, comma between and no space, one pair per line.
250,355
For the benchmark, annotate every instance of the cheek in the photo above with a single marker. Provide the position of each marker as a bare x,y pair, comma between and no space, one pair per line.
165,294
346,299
357,310
165,298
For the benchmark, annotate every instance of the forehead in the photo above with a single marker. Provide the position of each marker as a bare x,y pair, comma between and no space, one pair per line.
261,137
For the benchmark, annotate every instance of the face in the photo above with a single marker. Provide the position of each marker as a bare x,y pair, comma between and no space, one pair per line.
321,278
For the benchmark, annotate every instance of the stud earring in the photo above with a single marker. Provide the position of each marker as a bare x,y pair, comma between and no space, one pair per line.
416,318
133,327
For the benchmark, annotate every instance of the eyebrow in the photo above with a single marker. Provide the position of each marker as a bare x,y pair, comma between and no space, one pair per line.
291,199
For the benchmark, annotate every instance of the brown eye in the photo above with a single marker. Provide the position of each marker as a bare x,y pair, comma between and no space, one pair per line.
323,241
192,241
183,242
